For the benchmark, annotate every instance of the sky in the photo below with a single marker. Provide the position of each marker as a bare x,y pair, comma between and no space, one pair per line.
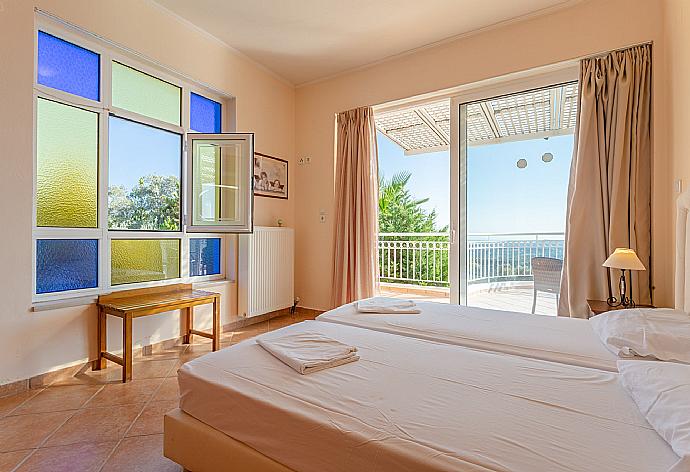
501,198
137,150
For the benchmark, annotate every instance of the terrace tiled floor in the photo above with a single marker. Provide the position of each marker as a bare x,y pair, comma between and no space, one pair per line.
92,422
507,299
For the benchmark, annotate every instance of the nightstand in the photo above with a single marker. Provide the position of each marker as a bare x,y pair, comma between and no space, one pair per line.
597,307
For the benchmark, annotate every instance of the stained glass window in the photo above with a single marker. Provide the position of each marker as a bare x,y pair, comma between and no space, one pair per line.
144,260
144,94
66,166
68,67
66,264
143,177
204,114
204,256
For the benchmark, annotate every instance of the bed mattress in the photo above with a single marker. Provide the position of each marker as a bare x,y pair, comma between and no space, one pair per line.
410,405
552,338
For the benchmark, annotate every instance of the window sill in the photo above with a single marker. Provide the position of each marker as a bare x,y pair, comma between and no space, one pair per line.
63,303
90,300
212,283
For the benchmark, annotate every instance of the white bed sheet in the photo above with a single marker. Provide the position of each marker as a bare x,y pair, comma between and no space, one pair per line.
552,338
413,405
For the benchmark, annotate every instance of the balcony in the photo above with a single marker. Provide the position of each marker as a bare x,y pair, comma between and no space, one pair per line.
499,268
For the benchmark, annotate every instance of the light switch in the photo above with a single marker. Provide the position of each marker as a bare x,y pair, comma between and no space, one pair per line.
678,185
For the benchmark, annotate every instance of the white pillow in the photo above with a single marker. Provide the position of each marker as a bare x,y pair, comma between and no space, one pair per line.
662,333
661,391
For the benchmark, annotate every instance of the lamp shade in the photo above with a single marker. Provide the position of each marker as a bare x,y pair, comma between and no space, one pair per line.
624,259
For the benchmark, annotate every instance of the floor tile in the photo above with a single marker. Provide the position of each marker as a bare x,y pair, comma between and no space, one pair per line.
9,404
133,392
151,419
165,353
86,376
173,373
146,367
9,460
28,431
74,457
140,454
186,357
249,332
169,390
281,322
58,398
152,369
299,317
201,347
95,425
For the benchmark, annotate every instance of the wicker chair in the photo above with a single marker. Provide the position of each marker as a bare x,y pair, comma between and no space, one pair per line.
547,277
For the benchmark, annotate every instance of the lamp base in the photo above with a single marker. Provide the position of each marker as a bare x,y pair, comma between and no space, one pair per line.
623,300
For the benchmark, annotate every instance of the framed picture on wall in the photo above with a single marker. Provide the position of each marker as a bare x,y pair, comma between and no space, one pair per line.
270,176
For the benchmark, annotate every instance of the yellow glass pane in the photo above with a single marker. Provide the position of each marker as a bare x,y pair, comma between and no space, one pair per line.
66,166
145,94
144,260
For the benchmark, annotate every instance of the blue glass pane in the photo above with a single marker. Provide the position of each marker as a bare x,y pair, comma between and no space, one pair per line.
66,264
204,256
205,114
68,67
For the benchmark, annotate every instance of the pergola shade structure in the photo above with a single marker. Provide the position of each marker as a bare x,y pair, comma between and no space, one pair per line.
534,114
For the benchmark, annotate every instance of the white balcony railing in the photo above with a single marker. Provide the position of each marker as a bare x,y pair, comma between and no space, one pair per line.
422,258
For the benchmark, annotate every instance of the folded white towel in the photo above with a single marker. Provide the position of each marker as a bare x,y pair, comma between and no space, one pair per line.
308,352
387,305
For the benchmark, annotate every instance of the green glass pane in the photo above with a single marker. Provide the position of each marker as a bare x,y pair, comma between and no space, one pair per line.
66,166
145,94
144,260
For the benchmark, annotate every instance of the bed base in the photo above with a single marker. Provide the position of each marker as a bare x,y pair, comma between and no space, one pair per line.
198,447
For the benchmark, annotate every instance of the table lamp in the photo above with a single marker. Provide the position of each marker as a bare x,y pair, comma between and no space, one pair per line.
623,259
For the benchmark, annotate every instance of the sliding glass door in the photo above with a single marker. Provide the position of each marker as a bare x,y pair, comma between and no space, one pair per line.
510,166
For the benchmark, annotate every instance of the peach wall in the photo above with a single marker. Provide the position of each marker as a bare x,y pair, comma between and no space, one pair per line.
37,342
584,29
677,29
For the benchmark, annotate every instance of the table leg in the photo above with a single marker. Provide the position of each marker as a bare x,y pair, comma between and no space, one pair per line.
216,323
100,362
127,347
189,324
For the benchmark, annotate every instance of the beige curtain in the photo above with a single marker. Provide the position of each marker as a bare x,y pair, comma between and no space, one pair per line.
355,270
609,194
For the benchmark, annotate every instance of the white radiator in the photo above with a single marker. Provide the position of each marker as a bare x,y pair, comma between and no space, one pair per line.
265,271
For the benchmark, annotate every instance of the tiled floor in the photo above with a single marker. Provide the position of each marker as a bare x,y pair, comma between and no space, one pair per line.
506,299
92,422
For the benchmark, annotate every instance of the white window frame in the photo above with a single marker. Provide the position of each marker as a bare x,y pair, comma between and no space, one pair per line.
111,52
549,76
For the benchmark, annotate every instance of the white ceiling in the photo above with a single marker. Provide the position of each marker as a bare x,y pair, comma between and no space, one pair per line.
306,40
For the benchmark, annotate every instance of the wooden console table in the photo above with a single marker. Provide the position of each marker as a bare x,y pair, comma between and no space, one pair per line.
130,304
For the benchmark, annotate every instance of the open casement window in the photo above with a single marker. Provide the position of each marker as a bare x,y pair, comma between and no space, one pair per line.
219,183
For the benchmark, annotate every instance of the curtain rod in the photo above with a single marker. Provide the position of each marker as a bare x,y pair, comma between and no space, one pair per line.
129,51
606,53
450,92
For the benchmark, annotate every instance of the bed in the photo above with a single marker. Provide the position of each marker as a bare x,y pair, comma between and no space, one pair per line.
551,338
557,339
408,404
